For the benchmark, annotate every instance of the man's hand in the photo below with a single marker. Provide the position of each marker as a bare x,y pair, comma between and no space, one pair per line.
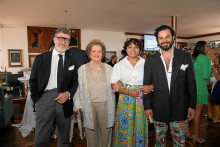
191,114
62,97
147,89
78,110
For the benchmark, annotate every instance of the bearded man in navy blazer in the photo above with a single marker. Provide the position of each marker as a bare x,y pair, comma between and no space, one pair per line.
173,100
53,83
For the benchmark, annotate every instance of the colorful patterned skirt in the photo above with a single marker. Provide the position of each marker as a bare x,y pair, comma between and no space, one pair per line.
131,125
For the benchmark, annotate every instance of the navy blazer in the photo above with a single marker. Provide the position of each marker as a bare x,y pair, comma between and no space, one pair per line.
40,74
170,105
79,55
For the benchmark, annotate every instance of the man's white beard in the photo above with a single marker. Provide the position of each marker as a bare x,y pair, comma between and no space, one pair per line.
61,50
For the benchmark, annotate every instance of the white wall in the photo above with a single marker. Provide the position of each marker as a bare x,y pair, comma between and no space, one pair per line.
13,37
114,41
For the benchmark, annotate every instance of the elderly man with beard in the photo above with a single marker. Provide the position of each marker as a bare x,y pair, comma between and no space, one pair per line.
173,100
53,83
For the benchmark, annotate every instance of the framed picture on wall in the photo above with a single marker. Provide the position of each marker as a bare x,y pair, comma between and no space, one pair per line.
40,38
31,60
15,58
109,54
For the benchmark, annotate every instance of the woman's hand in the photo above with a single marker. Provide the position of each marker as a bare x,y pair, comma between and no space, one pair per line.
78,110
117,86
134,93
147,89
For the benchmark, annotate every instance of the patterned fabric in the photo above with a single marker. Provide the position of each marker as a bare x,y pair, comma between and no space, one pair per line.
178,131
131,125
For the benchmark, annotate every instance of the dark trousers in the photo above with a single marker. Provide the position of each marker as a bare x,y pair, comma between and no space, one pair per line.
48,111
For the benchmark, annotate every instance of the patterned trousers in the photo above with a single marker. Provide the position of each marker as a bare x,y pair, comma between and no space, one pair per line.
178,132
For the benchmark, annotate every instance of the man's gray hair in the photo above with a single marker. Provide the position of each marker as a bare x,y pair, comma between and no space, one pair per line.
63,30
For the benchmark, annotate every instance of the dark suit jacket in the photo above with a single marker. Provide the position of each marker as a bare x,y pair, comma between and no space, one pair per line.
79,55
40,74
170,106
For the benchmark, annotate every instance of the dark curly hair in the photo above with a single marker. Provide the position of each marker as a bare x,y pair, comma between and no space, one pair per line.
162,28
199,49
134,41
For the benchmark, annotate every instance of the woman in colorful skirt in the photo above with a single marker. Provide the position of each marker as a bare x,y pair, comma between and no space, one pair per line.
131,125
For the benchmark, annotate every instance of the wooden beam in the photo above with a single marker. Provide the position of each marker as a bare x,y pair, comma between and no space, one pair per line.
199,36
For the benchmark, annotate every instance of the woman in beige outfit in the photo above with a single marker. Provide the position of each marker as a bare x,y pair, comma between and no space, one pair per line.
95,98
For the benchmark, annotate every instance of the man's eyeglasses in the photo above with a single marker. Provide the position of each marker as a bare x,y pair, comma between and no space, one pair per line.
63,39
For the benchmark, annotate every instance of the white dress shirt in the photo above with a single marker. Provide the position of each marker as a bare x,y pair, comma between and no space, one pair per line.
169,71
123,71
52,83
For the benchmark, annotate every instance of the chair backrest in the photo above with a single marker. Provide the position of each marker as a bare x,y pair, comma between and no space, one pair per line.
12,79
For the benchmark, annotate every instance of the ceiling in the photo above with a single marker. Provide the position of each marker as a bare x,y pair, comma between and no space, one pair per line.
194,17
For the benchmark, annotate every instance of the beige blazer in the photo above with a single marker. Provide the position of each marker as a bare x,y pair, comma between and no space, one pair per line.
82,100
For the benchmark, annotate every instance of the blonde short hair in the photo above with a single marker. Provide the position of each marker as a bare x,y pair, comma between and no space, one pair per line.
95,42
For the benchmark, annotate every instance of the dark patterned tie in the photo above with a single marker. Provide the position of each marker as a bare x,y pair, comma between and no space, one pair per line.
59,72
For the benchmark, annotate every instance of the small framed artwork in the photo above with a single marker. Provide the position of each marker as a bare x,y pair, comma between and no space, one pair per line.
31,60
109,54
15,57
